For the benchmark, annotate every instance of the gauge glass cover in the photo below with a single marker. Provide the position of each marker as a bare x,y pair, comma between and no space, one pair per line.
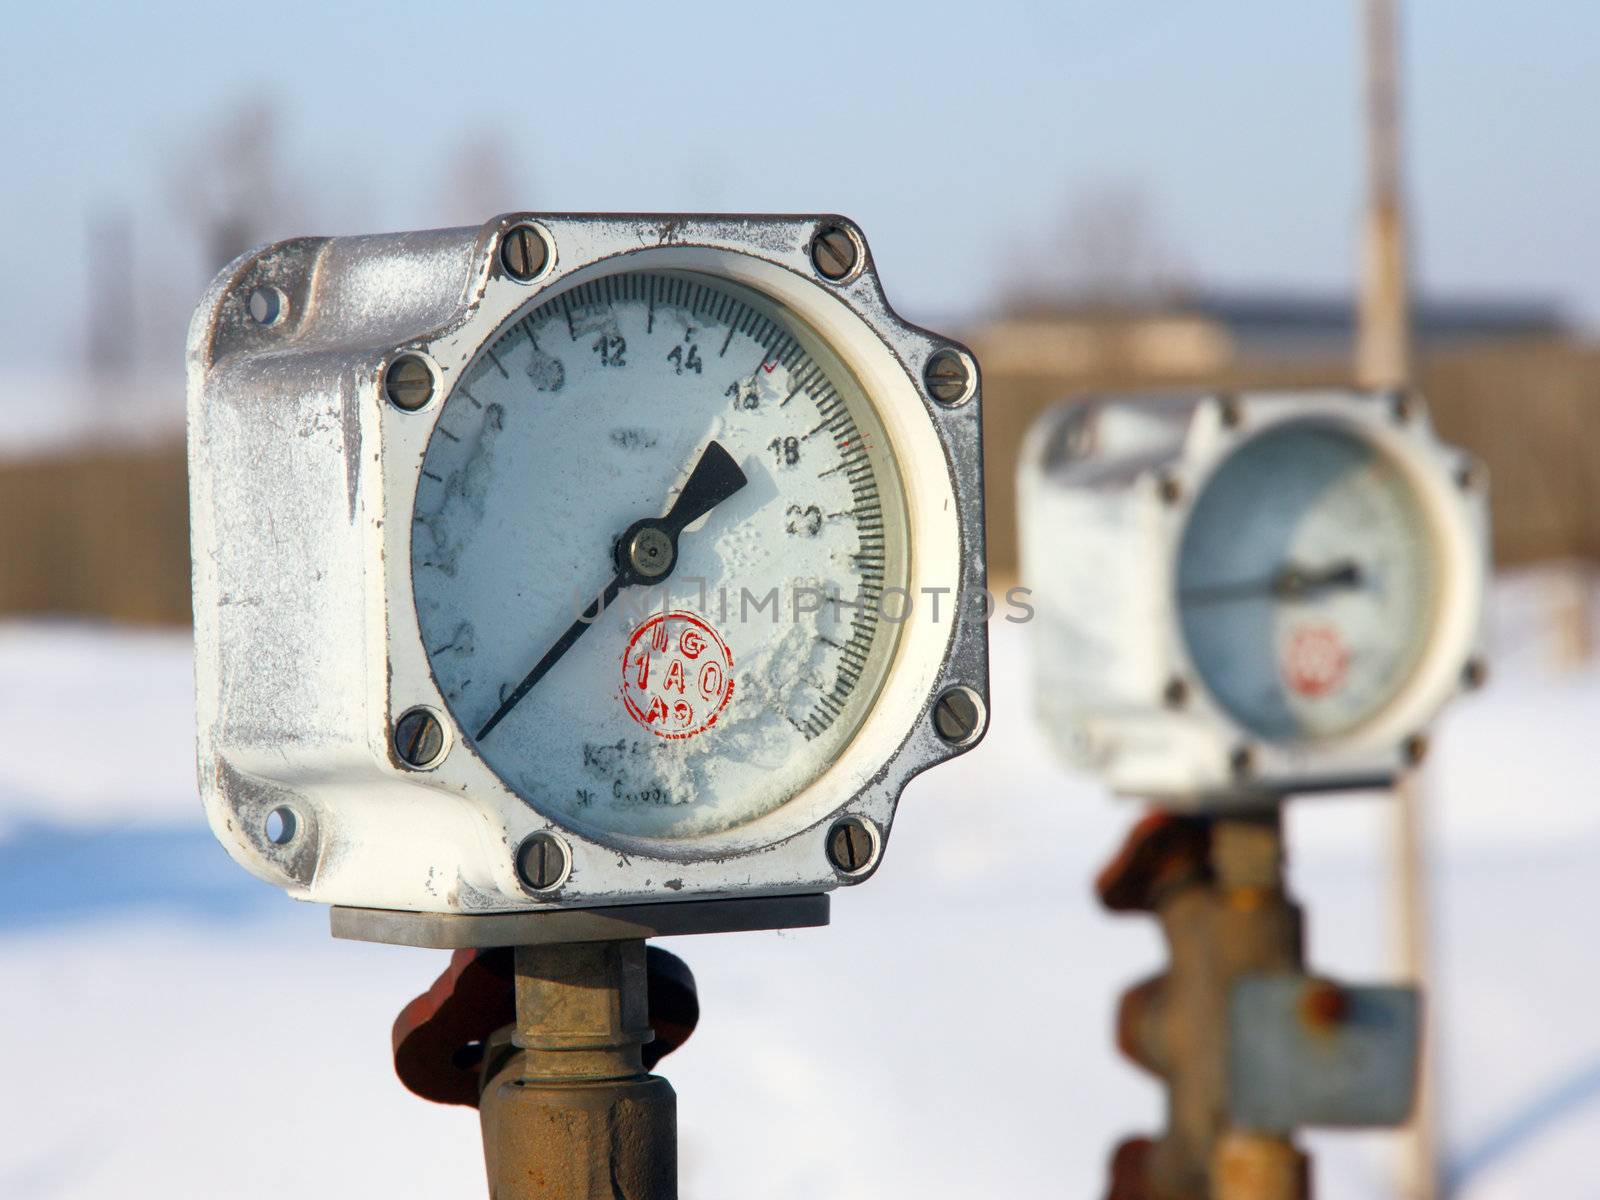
1307,582
712,697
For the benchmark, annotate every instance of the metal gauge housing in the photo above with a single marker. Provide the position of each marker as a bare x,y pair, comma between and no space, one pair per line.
576,560
1248,595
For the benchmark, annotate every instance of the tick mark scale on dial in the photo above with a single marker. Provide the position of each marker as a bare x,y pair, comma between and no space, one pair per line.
496,361
846,465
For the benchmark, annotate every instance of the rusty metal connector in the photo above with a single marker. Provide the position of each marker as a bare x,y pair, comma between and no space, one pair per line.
574,1115
1216,886
553,1045
1162,853
1252,1166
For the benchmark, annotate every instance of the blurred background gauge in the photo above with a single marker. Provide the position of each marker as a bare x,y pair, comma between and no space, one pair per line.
1250,594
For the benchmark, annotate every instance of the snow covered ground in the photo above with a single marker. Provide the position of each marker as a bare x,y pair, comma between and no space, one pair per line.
169,1027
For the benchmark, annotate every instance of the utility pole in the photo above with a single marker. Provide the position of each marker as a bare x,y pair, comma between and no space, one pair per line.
1383,341
1384,360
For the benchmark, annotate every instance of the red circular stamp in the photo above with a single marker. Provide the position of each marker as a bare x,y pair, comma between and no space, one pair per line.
1316,660
677,675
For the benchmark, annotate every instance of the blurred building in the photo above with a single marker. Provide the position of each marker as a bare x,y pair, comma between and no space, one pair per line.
1509,380
97,505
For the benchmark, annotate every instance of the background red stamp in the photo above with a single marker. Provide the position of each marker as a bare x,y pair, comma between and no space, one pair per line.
677,675
1316,659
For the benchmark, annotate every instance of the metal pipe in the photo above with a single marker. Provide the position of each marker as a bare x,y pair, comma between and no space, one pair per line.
572,1114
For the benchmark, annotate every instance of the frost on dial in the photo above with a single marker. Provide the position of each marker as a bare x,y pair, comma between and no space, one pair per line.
1306,583
712,697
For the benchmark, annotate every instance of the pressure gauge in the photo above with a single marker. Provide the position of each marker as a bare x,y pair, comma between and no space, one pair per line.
1249,595
576,560
578,422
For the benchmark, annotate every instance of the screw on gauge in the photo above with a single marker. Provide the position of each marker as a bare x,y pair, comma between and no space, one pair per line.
958,716
1414,749
418,738
835,253
524,253
1229,412
650,551
1176,694
408,383
850,845
1242,762
948,377
281,825
542,862
266,305
1474,673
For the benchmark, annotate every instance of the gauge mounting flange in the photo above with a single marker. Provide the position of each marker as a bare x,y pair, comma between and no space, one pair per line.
1244,596
488,524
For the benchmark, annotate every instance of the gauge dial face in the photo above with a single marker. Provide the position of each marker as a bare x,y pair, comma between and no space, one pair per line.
1306,583
655,520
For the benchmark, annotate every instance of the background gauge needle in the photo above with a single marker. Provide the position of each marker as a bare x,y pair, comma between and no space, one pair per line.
1291,582
646,553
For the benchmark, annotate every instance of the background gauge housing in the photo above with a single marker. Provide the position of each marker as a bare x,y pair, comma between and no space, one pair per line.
416,458
1244,596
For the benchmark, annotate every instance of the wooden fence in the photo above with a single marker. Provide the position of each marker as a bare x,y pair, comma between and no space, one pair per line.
104,532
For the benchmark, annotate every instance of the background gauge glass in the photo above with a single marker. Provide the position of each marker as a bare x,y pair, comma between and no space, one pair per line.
655,520
1307,581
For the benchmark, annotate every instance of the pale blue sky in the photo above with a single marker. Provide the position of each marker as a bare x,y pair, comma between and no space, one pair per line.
957,134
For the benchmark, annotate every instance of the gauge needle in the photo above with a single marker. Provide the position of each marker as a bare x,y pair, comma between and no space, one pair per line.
1290,582
645,553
